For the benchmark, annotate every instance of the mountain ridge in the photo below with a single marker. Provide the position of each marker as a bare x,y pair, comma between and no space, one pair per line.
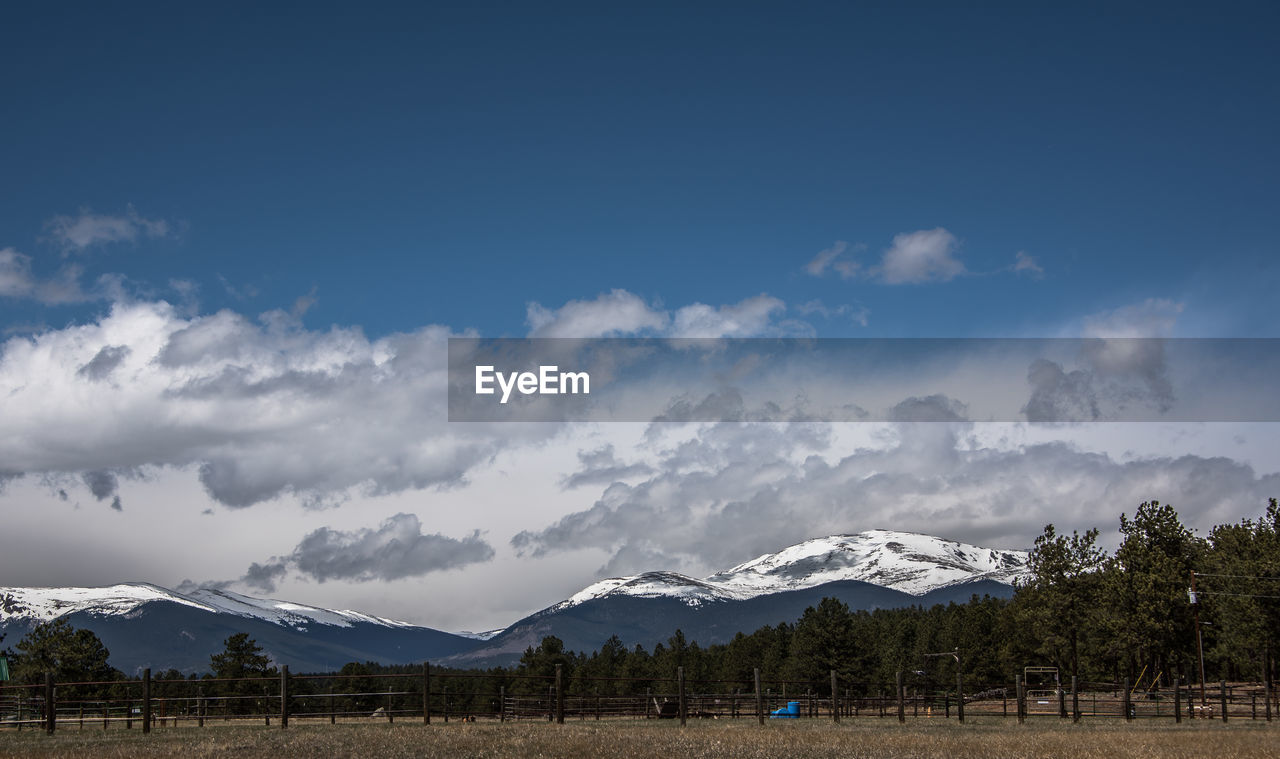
868,570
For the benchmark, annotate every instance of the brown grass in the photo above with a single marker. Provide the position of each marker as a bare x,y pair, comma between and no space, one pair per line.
881,739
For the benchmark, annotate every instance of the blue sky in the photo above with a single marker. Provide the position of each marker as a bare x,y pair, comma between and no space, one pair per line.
234,240
447,165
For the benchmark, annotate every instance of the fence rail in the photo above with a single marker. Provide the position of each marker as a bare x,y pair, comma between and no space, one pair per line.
145,703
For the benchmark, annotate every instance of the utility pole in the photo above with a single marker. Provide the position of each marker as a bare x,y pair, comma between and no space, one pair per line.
1199,641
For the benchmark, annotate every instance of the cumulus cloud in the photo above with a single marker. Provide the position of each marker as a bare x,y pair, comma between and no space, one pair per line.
258,408
927,255
1125,365
87,229
621,313
749,318
924,256
601,467
1153,317
263,408
757,487
396,549
614,313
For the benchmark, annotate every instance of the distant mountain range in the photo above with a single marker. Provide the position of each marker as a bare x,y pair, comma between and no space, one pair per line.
146,625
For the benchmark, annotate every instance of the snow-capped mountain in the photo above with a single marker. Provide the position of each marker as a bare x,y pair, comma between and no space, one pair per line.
877,569
145,625
45,604
904,561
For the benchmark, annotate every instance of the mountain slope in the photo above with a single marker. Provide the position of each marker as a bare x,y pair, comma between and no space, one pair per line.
870,570
145,625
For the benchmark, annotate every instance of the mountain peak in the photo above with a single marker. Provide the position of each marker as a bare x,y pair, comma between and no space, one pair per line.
909,562
906,561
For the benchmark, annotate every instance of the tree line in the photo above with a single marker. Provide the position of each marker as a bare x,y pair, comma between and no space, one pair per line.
1097,615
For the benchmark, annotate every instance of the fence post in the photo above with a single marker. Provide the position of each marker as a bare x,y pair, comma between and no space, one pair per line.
959,695
199,706
502,703
1222,694
680,691
50,706
284,696
1266,684
1125,702
759,698
426,693
1177,702
1062,701
146,700
333,715
1075,699
902,707
559,694
1019,693
835,699
390,718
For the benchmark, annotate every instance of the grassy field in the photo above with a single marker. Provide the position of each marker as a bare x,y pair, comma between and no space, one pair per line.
882,739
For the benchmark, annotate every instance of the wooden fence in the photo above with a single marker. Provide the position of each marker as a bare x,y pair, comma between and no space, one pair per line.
145,703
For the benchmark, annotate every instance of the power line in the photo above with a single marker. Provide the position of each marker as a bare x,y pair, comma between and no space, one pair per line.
1238,577
1239,595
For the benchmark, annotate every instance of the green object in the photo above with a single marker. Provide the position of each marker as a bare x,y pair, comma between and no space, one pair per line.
4,669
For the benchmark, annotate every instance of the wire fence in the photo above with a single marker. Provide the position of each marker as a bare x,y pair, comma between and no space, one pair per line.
145,703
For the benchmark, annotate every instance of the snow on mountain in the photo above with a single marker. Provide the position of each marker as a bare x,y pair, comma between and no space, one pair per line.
905,561
652,585
486,635
285,612
44,604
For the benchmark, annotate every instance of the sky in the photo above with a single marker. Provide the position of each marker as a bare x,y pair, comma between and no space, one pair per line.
235,240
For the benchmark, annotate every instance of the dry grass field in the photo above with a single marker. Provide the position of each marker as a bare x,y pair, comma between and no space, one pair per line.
881,739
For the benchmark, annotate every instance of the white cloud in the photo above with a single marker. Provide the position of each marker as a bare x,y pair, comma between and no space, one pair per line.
259,409
87,229
1153,317
1026,265
927,255
924,256
18,281
621,313
748,318
15,274
831,258
759,487
610,314
858,314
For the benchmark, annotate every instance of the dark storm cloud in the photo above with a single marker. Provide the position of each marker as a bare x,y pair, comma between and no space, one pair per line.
263,577
396,549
